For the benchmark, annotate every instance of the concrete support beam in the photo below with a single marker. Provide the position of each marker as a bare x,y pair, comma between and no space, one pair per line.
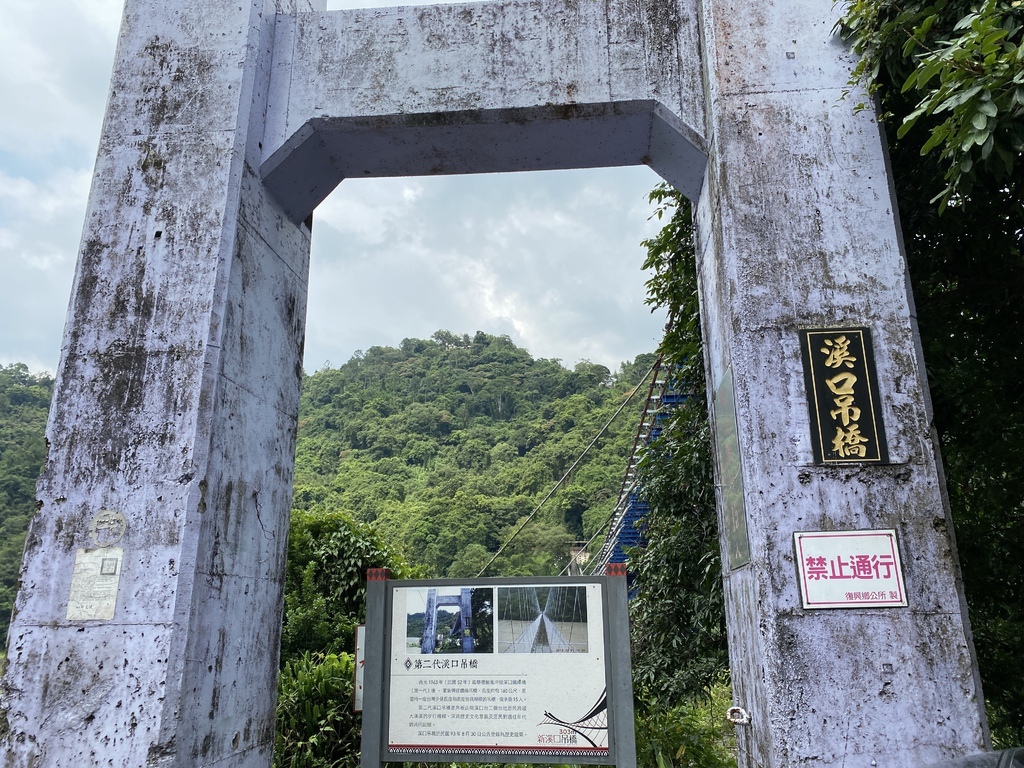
515,85
175,410
797,229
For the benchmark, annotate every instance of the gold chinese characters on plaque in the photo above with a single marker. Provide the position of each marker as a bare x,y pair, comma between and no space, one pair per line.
842,396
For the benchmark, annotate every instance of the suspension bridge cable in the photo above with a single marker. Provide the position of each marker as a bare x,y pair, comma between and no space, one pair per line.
627,488
568,472
590,541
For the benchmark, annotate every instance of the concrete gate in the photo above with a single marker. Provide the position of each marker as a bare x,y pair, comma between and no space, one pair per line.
147,627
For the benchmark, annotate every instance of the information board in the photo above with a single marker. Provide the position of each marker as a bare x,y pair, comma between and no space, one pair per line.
94,583
501,670
498,669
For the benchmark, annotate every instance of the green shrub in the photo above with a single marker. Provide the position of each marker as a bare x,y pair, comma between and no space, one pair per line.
316,726
693,734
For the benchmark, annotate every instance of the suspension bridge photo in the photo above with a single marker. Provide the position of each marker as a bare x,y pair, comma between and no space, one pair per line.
542,620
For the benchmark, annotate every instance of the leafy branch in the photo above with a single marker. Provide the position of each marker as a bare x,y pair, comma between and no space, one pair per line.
964,68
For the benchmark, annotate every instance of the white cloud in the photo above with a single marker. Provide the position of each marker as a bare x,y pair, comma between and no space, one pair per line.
369,216
57,57
40,225
550,259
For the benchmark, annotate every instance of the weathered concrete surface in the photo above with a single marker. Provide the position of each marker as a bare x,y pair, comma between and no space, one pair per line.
178,385
483,87
797,229
176,406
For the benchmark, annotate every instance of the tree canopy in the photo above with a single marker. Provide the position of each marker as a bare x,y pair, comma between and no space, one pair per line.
24,404
949,75
678,616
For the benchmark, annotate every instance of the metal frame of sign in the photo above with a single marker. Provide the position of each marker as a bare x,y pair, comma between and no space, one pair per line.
377,692
357,687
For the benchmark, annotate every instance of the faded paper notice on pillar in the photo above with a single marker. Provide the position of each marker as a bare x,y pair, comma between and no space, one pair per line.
94,584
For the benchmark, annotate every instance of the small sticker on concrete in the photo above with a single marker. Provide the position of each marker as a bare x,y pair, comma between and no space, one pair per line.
107,528
850,569
94,584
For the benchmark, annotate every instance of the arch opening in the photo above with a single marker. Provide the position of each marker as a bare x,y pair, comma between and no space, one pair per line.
550,259
324,151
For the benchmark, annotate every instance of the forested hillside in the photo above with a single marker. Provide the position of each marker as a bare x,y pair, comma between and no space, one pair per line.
24,403
446,444
423,459
443,444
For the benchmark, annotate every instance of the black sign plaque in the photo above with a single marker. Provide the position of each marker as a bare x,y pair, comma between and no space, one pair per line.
842,397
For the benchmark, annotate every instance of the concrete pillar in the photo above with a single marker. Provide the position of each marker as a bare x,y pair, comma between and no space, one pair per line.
797,228
429,640
172,429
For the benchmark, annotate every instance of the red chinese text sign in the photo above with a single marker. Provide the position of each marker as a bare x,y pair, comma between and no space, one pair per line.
850,569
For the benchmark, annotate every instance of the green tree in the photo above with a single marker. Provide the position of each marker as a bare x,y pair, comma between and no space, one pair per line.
690,734
325,581
950,78
316,727
967,271
24,404
678,616
959,69
325,598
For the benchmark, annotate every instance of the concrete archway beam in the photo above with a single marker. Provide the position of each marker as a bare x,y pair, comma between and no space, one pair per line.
482,88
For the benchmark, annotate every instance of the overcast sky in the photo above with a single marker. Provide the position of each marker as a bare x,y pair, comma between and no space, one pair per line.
551,259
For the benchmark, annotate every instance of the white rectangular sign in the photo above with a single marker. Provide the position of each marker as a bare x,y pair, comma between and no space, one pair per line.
503,670
94,584
357,696
850,569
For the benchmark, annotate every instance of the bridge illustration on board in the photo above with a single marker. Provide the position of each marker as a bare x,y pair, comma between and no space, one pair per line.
593,726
